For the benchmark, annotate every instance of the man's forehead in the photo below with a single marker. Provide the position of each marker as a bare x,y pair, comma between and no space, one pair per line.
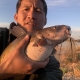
32,2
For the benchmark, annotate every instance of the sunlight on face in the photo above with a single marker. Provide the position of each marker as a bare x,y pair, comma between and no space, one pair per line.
31,15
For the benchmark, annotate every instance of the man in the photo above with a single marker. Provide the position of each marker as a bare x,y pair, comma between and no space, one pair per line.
30,15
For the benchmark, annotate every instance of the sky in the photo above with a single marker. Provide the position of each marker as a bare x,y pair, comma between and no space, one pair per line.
60,12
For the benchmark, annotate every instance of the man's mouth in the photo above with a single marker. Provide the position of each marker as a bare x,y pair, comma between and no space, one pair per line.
30,23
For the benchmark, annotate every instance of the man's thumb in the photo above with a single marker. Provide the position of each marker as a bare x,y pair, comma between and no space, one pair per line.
24,42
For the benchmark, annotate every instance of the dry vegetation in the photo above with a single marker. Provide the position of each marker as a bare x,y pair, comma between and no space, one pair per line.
69,58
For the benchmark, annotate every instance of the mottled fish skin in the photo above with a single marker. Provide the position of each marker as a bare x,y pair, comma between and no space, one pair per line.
50,35
57,33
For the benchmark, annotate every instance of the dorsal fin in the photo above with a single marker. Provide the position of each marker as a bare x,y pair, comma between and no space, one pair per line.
16,30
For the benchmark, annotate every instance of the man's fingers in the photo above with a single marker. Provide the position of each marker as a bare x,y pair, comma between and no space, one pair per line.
37,65
23,43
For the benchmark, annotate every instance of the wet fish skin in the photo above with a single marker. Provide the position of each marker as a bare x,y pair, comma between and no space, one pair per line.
50,36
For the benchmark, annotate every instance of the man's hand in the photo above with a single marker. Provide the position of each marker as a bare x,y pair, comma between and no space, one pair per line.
19,63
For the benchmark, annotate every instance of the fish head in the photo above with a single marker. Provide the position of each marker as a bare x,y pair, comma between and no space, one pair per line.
59,33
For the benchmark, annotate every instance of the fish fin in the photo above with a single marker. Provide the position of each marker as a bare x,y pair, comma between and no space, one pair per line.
16,30
40,42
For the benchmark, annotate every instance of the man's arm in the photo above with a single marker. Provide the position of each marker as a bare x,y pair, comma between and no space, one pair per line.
53,69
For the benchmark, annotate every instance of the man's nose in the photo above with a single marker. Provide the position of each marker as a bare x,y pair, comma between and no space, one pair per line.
31,14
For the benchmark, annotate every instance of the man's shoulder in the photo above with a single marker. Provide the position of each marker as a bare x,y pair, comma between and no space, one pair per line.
4,31
4,36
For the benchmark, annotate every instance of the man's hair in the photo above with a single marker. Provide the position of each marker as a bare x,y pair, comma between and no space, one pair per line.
43,1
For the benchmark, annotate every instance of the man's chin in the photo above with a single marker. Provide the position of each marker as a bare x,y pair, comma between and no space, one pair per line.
30,28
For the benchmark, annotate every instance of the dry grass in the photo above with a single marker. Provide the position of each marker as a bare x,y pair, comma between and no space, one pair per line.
69,60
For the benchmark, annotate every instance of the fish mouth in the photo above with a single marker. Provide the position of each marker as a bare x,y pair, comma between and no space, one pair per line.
68,31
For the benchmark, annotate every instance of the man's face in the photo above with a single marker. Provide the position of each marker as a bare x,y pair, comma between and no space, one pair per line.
31,15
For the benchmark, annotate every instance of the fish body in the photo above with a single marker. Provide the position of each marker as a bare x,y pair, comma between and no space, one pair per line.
42,42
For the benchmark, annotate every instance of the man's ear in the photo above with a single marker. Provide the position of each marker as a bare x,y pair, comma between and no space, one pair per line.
45,21
15,17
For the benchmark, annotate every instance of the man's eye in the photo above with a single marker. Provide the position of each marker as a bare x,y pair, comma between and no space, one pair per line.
38,10
26,9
